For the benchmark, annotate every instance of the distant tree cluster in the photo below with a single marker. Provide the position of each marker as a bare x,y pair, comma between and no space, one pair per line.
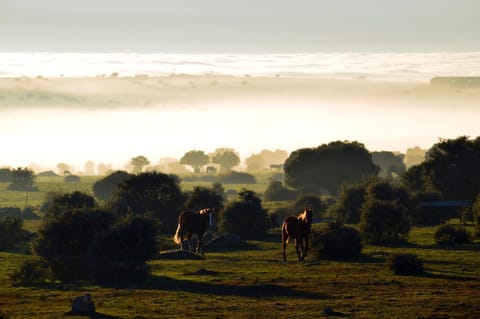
328,167
451,168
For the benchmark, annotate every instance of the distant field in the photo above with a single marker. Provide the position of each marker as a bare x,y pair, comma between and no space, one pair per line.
57,184
254,283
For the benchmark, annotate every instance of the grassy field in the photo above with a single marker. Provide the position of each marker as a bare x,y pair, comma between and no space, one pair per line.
254,283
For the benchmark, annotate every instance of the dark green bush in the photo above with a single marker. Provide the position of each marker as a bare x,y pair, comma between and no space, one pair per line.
10,231
71,179
276,191
384,222
244,217
336,241
347,209
449,234
31,273
236,178
476,215
430,215
405,264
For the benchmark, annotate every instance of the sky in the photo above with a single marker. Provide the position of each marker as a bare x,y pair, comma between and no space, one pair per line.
221,26
248,26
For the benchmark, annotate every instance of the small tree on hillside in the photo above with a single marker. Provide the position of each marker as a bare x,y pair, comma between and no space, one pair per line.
226,159
152,193
347,209
196,159
245,217
138,163
106,187
204,197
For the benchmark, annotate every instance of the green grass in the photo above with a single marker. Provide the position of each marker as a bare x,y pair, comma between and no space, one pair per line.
254,283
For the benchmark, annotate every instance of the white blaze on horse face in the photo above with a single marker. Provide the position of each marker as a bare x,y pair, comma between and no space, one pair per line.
210,219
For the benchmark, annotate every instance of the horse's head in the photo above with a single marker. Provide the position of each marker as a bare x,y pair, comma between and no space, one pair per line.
308,215
208,212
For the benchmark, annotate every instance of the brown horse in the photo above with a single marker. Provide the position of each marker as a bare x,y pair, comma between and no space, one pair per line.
298,228
193,222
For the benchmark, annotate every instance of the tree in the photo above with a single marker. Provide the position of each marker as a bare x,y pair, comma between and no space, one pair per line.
90,168
63,169
204,197
328,166
414,156
389,163
10,231
69,201
384,214
310,201
151,193
138,163
451,168
276,191
255,163
67,242
349,204
5,175
196,159
103,169
106,187
245,217
22,180
227,159
273,157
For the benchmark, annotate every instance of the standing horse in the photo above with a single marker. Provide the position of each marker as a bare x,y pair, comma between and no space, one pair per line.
298,228
193,222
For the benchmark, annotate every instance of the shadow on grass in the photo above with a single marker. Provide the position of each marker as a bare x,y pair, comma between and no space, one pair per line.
95,315
448,277
252,291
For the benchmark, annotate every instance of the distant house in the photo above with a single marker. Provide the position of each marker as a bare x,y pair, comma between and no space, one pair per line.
456,81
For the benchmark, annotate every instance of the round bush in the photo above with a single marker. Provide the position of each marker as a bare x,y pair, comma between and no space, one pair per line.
31,272
244,217
384,222
405,264
336,241
449,235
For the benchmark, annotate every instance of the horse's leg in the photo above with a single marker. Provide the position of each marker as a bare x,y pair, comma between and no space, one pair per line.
189,236
284,242
181,239
306,248
302,249
199,244
297,240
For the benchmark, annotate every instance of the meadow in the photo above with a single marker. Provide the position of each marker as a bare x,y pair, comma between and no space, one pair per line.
252,282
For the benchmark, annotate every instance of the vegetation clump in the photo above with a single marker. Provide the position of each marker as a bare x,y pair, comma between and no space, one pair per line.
245,217
336,241
10,231
405,264
449,234
384,214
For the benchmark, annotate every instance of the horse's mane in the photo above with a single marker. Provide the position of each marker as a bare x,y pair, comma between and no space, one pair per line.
204,211
303,216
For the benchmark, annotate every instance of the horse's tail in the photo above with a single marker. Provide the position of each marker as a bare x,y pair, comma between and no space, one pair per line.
285,237
176,237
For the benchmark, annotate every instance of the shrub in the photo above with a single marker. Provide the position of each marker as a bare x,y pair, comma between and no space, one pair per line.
10,231
311,201
336,241
236,178
58,203
66,241
476,214
384,222
276,191
71,179
105,187
405,264
244,217
347,209
31,273
448,234
430,216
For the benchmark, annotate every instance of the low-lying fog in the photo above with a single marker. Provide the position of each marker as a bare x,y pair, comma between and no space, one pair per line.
107,120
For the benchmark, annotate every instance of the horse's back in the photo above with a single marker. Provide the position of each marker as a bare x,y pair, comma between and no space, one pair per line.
290,226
